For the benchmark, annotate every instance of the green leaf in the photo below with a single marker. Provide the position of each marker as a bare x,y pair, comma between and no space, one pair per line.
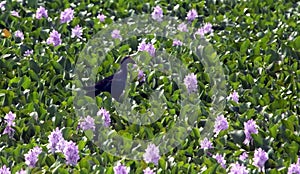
162,163
26,82
244,47
297,43
274,130
84,163
33,75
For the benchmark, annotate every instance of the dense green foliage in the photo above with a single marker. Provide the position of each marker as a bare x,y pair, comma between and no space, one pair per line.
258,44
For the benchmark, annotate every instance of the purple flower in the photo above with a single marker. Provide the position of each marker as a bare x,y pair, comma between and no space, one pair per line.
206,144
220,159
157,14
9,118
234,96
106,116
41,12
54,138
148,171
28,53
220,124
141,76
192,14
190,82
207,28
236,168
15,13
150,49
61,145
294,168
76,32
250,127
116,34
177,42
101,17
4,170
151,154
243,156
260,157
143,46
67,15
54,38
71,153
19,34
32,156
2,5
121,169
87,123
9,131
200,32
182,27
21,172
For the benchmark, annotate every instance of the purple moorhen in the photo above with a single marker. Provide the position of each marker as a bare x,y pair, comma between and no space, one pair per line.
114,84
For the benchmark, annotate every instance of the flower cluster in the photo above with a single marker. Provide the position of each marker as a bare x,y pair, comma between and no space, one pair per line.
177,42
58,144
182,27
4,170
21,172
101,17
190,82
32,156
54,38
67,15
206,144
157,14
105,115
2,5
15,13
76,32
192,14
9,120
220,124
151,154
260,158
143,46
148,171
234,96
294,168
220,159
207,28
19,34
236,168
141,76
121,169
28,53
250,128
243,156
87,123
116,34
71,153
41,12
54,138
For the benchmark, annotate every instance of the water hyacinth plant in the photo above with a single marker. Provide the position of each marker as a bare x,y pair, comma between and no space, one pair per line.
49,124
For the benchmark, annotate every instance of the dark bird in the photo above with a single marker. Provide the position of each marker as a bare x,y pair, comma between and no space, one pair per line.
114,84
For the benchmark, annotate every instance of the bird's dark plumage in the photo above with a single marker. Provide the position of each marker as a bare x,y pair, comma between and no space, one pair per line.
114,84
